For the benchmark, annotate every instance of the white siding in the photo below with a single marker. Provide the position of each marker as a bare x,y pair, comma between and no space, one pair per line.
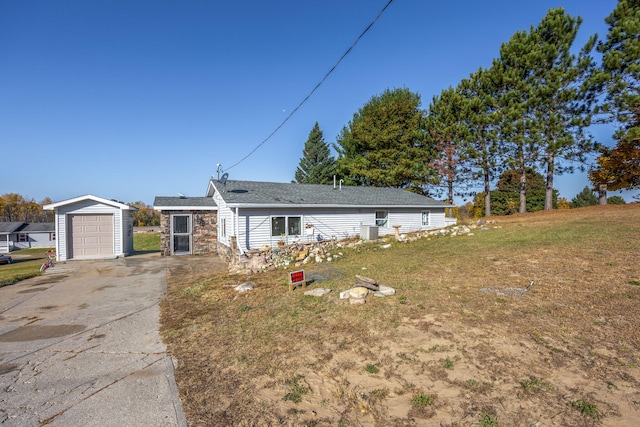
329,223
224,212
89,207
37,239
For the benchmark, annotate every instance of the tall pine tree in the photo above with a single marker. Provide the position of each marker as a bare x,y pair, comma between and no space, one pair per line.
619,76
482,151
444,130
316,166
561,102
384,144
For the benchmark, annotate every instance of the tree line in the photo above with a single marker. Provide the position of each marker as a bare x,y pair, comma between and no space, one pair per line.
17,208
525,117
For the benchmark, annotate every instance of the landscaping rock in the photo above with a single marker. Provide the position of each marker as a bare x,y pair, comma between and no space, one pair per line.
345,294
358,292
318,292
386,291
244,287
357,301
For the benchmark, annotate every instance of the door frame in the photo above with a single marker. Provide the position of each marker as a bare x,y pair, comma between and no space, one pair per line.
173,233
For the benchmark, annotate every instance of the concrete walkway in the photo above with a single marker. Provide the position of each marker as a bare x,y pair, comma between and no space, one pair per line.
79,346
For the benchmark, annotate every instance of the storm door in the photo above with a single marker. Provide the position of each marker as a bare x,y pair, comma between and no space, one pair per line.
181,234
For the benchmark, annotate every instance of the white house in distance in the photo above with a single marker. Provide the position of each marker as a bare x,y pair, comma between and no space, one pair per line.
22,235
90,227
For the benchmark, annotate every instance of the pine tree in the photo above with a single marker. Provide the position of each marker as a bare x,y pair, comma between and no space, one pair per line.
481,147
619,76
561,102
444,131
513,72
584,198
316,166
384,144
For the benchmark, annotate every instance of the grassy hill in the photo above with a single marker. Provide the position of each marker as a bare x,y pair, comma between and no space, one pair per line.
533,319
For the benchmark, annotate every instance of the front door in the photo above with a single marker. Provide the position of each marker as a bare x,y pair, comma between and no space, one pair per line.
181,234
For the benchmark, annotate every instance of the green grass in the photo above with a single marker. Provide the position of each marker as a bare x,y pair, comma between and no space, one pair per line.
22,267
297,389
586,408
421,400
488,420
146,241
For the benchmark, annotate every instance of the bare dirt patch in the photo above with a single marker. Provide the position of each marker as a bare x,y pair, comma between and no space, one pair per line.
440,352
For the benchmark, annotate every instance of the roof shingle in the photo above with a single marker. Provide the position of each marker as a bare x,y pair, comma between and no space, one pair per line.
291,194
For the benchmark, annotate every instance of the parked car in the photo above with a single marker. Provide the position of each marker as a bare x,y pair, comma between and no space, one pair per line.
5,259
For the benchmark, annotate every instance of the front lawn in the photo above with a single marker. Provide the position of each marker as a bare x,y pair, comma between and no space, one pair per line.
146,241
26,264
531,320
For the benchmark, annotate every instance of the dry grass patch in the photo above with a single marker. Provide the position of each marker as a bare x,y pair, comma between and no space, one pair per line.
479,357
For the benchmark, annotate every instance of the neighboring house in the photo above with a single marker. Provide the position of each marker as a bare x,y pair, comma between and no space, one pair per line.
254,214
188,225
90,227
22,235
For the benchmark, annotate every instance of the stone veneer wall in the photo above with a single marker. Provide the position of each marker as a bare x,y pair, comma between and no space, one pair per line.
205,232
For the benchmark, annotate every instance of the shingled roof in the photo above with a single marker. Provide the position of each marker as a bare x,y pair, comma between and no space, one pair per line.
253,193
10,227
186,203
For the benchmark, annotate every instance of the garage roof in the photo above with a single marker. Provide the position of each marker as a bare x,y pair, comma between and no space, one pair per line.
111,202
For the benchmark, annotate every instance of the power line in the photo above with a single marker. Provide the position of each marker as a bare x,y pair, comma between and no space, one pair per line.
306,98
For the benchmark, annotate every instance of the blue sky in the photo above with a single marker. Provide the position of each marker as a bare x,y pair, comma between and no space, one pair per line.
132,99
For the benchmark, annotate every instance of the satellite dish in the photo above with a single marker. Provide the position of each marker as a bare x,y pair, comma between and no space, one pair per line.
223,178
182,196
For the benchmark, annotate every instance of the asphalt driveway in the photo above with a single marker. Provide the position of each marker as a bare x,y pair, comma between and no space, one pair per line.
79,346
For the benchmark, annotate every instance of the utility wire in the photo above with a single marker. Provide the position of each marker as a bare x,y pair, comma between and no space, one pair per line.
315,88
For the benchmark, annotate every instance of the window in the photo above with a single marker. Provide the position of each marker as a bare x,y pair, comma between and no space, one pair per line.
278,226
23,237
286,226
294,226
223,227
381,218
425,217
52,236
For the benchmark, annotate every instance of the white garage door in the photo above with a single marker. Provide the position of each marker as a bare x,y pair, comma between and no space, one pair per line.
91,236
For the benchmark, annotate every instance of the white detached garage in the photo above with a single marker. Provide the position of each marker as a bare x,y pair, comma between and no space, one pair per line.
90,227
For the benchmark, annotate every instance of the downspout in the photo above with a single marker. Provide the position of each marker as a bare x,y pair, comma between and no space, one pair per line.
237,227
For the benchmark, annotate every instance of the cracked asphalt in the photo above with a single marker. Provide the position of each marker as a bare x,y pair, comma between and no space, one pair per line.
79,346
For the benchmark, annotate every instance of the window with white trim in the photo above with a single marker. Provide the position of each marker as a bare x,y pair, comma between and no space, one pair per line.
223,227
426,218
382,218
286,226
52,236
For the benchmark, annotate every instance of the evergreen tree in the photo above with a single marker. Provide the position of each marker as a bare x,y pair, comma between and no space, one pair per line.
620,71
584,198
506,197
384,144
316,166
619,76
445,133
513,72
481,147
616,200
561,101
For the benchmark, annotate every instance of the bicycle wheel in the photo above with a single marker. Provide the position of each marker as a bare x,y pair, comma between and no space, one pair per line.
43,267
